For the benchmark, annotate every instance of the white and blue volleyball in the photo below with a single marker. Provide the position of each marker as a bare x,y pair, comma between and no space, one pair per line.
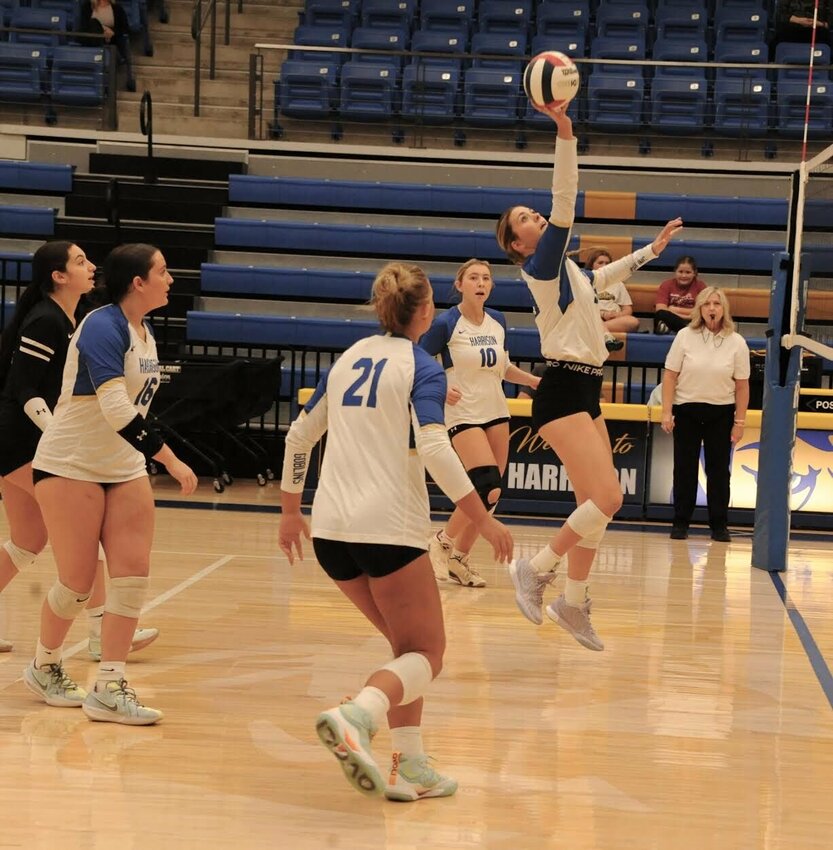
551,79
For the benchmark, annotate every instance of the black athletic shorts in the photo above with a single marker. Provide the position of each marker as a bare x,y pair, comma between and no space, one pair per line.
464,426
42,475
567,388
344,561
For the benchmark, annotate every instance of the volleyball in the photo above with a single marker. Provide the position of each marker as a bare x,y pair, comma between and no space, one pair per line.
551,79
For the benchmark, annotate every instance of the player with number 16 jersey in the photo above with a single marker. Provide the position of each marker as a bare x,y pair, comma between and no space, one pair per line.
106,348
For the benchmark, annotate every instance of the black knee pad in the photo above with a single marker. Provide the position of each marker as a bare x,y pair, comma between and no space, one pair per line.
485,479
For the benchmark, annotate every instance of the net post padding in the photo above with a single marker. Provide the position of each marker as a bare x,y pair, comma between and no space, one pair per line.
770,537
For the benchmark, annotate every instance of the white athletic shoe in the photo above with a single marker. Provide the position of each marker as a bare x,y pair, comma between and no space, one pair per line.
6,645
576,620
117,703
53,686
141,639
414,778
439,553
460,571
346,731
529,589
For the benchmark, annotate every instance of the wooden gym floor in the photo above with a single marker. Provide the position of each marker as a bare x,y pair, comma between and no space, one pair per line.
707,721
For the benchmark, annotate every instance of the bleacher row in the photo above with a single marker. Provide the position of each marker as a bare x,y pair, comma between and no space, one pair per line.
479,50
284,328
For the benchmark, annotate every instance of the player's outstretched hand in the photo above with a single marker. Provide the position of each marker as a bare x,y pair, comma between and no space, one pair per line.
184,475
292,528
500,537
671,229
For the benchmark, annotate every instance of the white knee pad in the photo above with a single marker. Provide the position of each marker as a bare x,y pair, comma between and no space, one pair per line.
101,556
126,595
414,671
20,557
592,541
588,522
66,603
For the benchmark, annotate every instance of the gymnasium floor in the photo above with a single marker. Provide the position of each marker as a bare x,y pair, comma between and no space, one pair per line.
707,721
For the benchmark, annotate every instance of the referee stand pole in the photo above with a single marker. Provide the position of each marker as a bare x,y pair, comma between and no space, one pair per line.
782,369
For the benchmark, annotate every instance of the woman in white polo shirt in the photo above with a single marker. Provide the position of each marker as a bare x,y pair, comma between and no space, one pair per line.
705,393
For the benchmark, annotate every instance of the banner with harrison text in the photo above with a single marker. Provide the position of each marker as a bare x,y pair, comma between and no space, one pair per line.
534,471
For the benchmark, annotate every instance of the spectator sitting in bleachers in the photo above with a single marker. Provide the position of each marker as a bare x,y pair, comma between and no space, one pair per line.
676,296
615,304
795,21
108,18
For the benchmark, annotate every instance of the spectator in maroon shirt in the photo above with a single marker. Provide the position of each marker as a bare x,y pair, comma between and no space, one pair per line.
676,296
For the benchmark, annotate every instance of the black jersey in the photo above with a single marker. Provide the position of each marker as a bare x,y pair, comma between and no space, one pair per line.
36,371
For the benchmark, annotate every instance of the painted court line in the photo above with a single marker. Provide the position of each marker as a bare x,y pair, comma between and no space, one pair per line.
164,597
814,654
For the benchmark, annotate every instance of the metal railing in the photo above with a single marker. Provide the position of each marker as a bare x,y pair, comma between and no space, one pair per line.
205,11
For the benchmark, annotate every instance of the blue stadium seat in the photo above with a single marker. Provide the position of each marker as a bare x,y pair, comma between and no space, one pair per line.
430,93
369,91
622,20
680,50
740,24
500,51
340,14
678,104
50,23
564,20
78,75
616,48
22,72
136,11
506,16
791,53
388,13
681,22
614,100
379,39
742,106
68,7
447,15
307,36
791,97
572,48
307,89
436,41
743,53
491,97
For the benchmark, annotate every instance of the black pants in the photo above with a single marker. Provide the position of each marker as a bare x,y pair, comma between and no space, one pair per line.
675,323
711,426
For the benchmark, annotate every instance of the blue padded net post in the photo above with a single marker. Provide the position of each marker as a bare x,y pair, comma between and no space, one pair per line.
782,370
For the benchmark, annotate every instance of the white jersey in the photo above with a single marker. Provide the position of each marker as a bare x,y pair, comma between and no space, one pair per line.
372,403
475,359
567,308
708,365
79,442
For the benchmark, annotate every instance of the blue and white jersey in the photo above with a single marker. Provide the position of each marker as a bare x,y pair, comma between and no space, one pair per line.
475,359
567,308
80,443
377,396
